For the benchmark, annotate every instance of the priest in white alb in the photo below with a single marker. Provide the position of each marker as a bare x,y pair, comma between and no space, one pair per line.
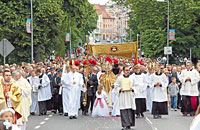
74,92
140,97
159,84
125,88
66,86
189,90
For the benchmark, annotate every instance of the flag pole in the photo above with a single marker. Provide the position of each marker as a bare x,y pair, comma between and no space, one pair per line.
87,69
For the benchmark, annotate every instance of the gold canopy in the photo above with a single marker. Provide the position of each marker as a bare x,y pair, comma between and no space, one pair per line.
118,49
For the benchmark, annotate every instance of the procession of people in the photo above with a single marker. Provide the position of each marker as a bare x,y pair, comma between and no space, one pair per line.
109,86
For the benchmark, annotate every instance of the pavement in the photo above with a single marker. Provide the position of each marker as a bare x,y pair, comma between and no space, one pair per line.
173,121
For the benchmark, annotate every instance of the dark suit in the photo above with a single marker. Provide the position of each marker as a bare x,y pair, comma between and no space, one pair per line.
50,103
58,98
174,74
92,85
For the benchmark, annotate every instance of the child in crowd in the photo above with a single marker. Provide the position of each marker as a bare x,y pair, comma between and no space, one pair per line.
8,115
100,107
173,91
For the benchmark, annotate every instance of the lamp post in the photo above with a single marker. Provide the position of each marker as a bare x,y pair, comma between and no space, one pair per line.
167,27
70,42
168,32
31,31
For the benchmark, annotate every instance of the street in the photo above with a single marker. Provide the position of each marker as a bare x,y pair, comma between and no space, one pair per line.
174,121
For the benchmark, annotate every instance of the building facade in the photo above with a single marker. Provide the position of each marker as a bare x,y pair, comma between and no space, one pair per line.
112,23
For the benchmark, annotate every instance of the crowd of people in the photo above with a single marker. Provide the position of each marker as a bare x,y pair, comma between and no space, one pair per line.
109,86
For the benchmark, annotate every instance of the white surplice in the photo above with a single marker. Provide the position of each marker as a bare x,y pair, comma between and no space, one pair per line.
140,89
189,88
126,98
44,93
34,82
159,93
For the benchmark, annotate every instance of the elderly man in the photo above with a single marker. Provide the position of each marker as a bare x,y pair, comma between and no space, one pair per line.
26,97
189,90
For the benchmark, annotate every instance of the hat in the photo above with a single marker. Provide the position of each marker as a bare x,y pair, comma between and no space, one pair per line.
115,61
90,61
7,110
108,59
60,70
71,62
137,61
85,62
52,68
77,63
94,62
67,63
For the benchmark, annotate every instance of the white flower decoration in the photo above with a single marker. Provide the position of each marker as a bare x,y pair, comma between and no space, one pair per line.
7,124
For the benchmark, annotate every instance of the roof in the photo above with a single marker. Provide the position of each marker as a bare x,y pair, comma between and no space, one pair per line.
101,9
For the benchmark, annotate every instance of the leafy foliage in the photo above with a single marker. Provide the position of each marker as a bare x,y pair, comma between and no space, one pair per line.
149,19
51,21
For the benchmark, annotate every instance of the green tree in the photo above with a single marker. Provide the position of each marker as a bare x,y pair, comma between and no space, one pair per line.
149,18
51,20
48,15
82,17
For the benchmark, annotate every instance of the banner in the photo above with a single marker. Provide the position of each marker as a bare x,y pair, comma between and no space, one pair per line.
171,34
28,25
67,39
119,49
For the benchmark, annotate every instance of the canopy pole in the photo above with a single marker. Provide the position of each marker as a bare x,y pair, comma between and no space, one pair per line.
136,54
87,69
